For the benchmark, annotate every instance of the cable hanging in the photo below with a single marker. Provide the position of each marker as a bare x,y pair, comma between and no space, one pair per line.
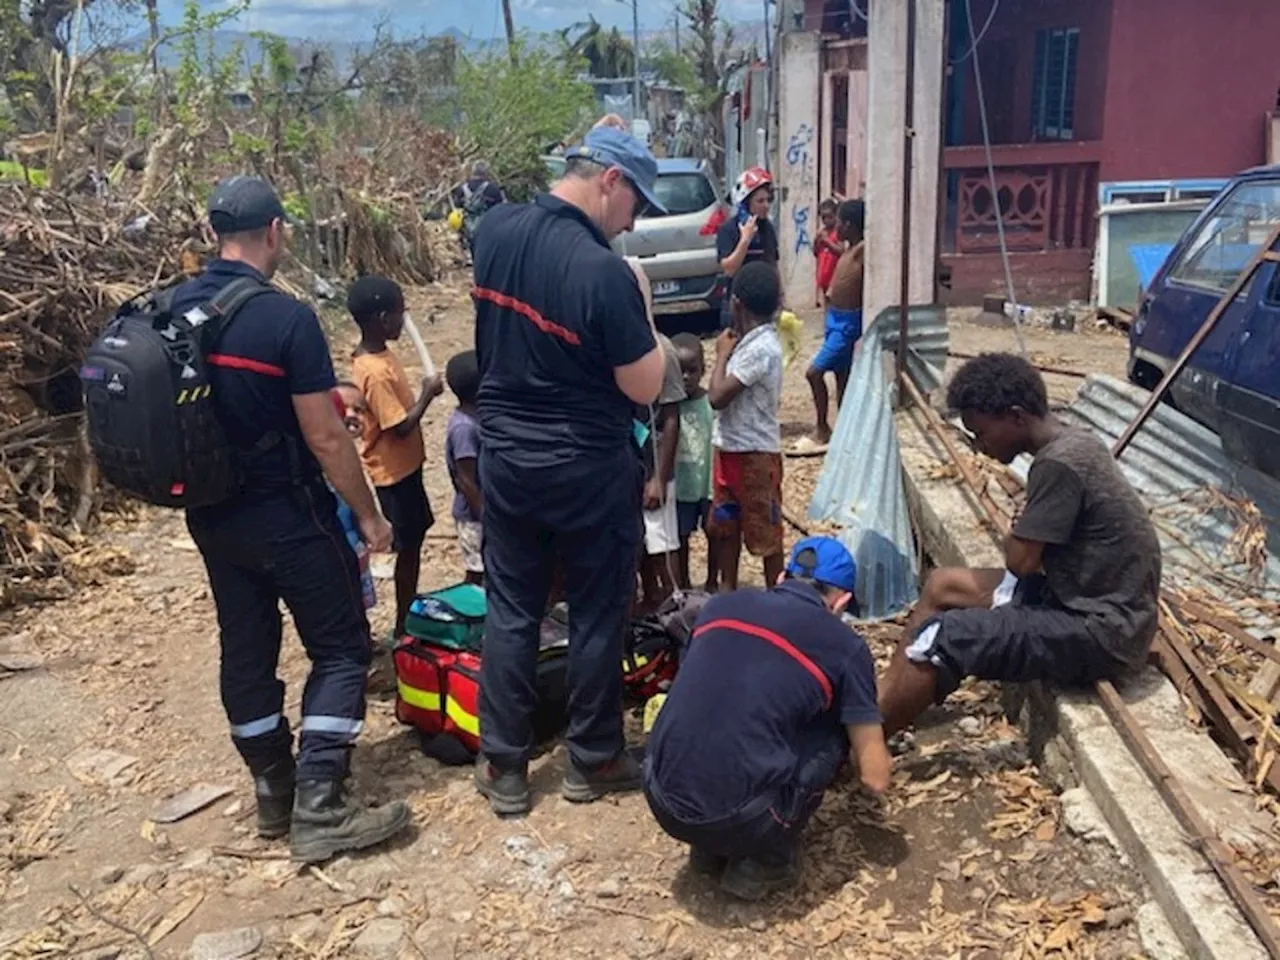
991,175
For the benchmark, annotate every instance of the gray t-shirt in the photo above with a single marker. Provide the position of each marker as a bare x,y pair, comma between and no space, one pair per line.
749,424
1101,555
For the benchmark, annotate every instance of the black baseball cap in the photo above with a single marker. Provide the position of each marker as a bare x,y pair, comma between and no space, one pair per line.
241,203
373,295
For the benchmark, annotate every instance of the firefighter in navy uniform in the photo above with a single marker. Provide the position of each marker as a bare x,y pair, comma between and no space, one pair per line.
279,539
566,351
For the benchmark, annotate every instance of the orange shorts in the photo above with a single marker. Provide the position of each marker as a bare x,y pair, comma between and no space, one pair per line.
747,498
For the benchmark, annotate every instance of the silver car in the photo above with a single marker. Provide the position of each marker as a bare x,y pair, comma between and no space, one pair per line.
678,249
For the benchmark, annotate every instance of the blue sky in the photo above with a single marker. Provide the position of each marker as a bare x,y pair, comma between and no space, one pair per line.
482,19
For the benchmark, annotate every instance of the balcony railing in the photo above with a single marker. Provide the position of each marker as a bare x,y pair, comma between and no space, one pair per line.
1047,204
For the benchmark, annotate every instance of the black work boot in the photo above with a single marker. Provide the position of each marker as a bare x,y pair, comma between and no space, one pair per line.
706,863
619,775
754,879
274,791
326,822
506,790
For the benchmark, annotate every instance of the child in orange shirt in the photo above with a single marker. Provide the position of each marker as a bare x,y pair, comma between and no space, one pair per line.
392,448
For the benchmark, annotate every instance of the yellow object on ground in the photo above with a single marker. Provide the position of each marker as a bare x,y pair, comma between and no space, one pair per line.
651,708
791,333
455,219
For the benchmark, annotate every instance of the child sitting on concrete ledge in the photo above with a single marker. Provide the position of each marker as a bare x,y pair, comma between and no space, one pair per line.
1078,598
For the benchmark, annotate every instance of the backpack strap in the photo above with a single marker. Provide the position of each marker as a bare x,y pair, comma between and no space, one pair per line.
224,305
221,310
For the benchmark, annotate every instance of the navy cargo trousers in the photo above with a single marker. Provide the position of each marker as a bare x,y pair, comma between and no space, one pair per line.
583,515
768,826
290,547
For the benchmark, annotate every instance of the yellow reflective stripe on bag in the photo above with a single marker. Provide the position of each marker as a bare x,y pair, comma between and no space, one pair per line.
422,699
466,722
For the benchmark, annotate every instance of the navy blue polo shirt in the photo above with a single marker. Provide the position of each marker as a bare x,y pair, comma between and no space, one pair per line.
273,351
556,311
763,668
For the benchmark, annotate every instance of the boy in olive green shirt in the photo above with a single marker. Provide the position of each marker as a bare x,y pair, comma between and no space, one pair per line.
693,458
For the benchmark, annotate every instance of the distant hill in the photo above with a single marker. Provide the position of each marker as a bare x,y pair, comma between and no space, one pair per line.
226,41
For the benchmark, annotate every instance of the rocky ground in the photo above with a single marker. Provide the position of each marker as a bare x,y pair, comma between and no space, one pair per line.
125,817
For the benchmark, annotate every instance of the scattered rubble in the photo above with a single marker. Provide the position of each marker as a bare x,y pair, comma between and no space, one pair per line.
189,802
226,945
380,939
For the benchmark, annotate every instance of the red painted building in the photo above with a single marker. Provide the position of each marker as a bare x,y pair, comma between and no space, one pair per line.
1080,92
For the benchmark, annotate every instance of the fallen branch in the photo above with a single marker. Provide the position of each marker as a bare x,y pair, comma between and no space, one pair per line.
114,925
250,854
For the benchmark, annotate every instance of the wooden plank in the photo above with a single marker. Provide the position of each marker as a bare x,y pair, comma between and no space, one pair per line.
1199,835
1192,610
1210,687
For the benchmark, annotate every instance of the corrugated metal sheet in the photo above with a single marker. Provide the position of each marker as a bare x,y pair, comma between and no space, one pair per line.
1172,456
860,487
928,340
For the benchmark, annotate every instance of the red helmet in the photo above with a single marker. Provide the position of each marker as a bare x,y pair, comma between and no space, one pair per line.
748,182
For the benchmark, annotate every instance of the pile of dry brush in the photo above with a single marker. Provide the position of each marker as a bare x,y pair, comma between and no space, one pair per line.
66,263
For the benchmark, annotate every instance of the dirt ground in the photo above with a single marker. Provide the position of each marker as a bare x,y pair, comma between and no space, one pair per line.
967,856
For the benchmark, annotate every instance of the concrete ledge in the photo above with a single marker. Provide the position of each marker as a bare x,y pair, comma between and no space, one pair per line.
1194,901
1197,906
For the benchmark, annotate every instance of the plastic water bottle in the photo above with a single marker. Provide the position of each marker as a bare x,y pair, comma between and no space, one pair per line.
346,517
366,575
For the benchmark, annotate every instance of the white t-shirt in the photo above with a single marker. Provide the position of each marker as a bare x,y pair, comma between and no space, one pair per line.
750,423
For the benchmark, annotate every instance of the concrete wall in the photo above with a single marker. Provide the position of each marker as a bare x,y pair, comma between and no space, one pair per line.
886,46
1189,88
797,168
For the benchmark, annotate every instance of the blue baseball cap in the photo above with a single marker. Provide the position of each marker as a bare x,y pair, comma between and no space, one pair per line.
611,147
826,560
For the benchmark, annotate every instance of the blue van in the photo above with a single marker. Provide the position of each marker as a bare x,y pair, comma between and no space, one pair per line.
1232,383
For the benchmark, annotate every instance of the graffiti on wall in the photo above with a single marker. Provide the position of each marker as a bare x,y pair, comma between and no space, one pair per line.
800,220
802,176
798,147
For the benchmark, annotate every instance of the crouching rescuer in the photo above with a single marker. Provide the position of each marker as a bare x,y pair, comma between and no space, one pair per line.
230,380
773,694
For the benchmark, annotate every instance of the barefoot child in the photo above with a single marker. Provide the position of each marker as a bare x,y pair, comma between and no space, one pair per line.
844,318
392,451
1078,598
746,391
693,458
461,455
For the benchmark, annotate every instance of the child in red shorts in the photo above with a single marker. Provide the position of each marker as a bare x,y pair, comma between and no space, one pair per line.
746,392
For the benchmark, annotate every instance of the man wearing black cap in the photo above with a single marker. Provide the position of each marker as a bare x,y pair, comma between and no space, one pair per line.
566,351
773,693
279,539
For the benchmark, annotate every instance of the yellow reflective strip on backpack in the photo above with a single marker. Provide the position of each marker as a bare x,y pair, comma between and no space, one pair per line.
467,722
422,699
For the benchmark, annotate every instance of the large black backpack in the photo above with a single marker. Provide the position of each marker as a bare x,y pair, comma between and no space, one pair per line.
149,400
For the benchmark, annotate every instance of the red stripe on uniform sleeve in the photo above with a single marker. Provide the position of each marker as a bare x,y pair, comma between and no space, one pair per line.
525,310
781,643
244,363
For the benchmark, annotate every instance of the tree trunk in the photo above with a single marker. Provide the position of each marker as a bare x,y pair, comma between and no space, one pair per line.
511,31
156,155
